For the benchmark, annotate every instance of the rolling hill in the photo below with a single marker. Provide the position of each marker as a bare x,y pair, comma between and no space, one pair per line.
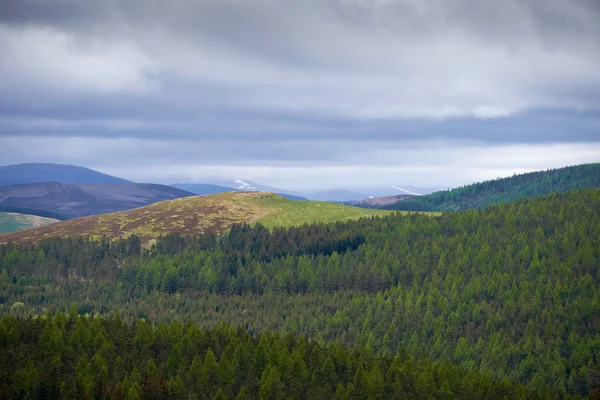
510,292
504,190
13,222
44,172
196,215
78,200
342,195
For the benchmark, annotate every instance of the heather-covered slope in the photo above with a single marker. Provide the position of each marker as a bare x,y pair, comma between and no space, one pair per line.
196,215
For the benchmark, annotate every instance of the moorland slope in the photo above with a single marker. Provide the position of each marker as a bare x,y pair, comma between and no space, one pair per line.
196,215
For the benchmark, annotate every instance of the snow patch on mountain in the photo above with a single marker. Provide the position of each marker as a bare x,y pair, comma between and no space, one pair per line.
406,190
244,185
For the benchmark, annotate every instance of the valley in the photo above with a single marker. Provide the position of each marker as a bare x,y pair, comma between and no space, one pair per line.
443,288
299,200
496,301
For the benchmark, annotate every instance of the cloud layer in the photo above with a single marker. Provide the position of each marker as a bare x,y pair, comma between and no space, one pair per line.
287,85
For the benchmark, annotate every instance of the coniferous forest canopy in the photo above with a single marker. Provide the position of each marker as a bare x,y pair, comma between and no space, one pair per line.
504,190
503,301
103,358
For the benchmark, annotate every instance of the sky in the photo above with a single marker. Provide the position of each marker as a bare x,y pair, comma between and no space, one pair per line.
303,95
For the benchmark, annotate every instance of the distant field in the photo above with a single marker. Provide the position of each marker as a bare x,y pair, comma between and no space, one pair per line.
198,214
13,222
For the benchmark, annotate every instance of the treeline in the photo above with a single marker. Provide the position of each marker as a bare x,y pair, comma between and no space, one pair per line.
175,258
510,292
504,190
261,244
72,357
33,211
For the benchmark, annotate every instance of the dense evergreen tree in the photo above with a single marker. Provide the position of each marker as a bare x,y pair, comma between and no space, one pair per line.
59,356
510,293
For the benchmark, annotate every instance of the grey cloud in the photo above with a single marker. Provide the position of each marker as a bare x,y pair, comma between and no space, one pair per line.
300,165
331,83
149,122
346,59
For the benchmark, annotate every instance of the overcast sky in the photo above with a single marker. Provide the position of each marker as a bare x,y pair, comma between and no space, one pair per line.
304,94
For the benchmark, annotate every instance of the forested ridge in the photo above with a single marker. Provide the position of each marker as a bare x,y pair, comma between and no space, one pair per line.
504,190
71,356
509,292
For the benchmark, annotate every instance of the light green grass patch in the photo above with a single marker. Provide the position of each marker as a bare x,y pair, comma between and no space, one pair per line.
14,222
287,212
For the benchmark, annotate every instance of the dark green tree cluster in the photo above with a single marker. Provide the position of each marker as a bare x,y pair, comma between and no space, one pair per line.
261,244
504,190
510,292
72,357
60,260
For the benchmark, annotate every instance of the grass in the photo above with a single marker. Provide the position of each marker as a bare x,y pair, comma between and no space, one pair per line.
14,222
197,215
293,213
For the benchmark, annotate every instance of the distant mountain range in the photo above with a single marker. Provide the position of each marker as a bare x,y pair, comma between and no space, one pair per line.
250,186
43,172
376,202
346,196
206,189
202,188
504,190
46,172
337,195
78,200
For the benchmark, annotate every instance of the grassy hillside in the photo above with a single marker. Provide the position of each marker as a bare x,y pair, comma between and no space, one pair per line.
198,214
13,222
294,213
481,195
